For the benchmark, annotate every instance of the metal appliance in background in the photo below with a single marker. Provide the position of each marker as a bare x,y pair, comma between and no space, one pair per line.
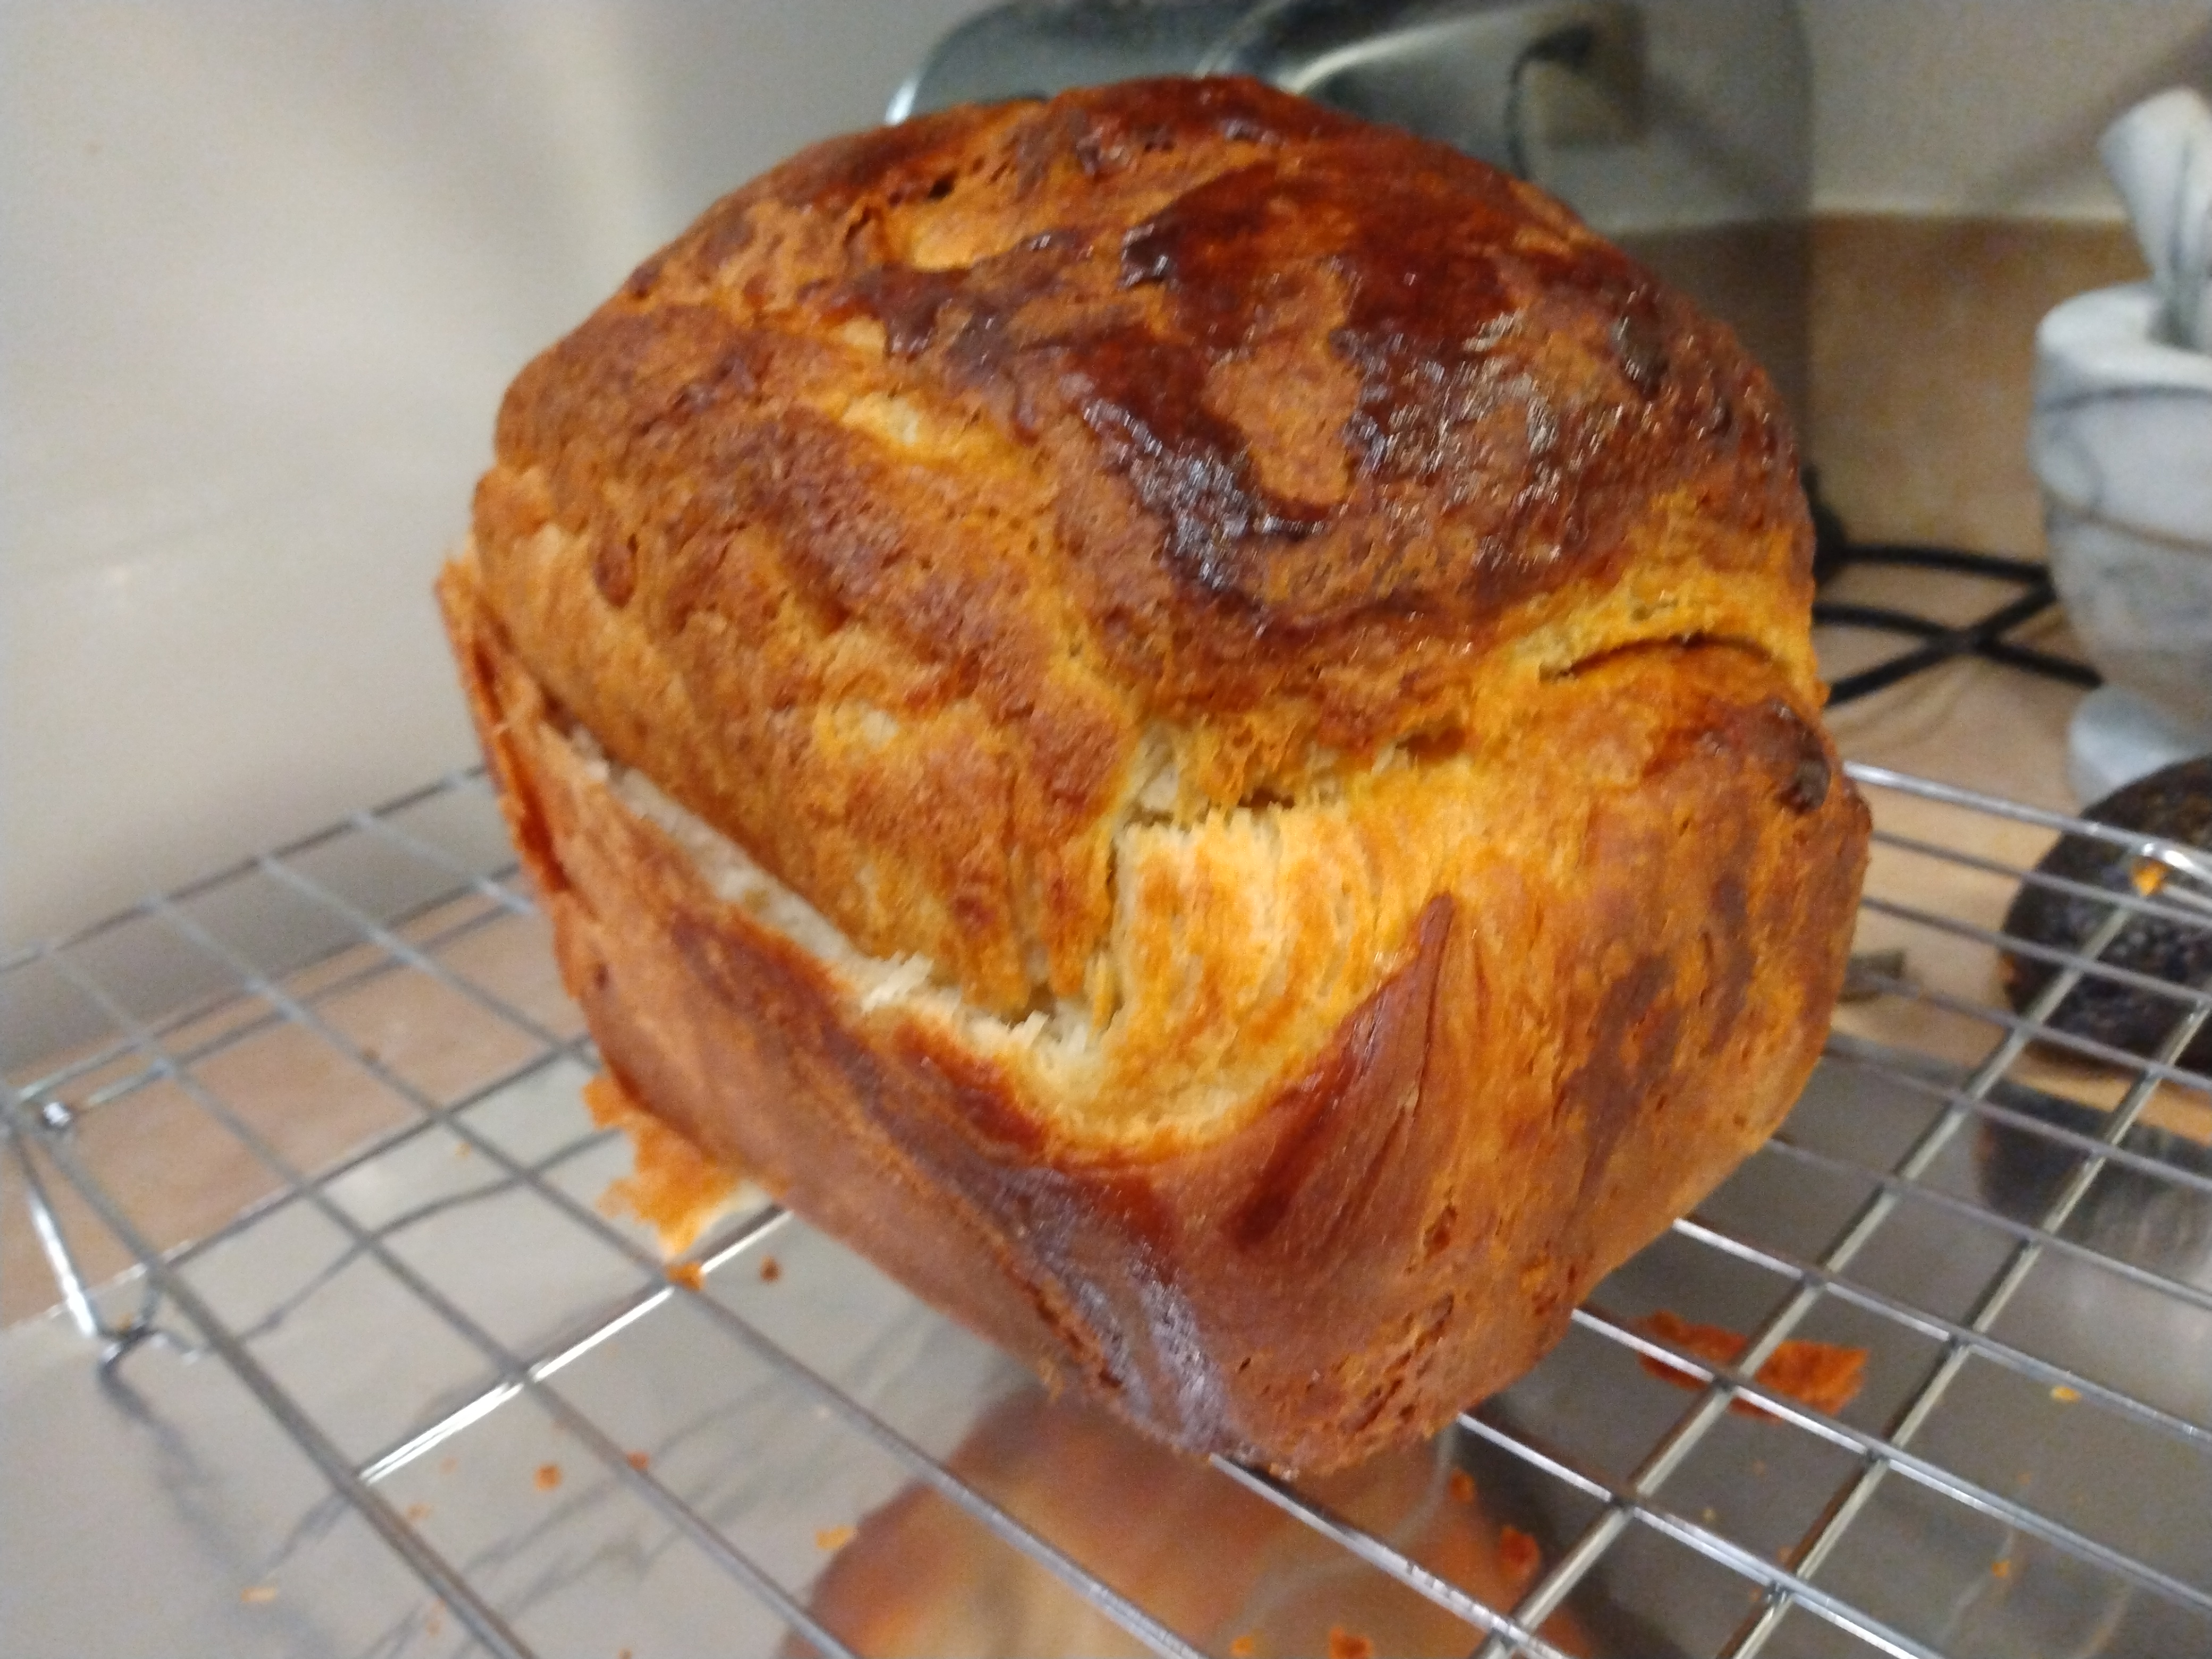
1680,129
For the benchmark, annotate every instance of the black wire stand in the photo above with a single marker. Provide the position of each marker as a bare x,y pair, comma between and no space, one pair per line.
1932,643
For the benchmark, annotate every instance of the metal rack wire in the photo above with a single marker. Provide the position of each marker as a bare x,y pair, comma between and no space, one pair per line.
2014,1222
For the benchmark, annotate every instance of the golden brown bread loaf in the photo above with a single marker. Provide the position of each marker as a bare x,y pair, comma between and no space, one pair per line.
1190,722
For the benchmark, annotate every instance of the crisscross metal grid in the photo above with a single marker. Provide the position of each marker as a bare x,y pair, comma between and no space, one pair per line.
321,1114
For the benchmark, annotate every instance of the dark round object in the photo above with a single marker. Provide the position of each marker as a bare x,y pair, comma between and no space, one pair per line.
2174,802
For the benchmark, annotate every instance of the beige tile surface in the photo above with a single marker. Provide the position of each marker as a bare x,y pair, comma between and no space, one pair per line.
180,1173
429,1036
1922,349
512,958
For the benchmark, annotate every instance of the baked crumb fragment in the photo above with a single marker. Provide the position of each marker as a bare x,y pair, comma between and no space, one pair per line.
674,1188
1825,1376
1518,1554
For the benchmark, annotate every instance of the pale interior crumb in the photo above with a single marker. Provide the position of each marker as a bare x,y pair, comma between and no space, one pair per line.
1061,1039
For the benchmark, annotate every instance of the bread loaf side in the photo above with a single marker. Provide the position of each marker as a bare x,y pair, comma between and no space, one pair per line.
1191,721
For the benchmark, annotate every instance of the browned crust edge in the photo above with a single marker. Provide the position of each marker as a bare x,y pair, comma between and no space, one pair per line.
1402,1229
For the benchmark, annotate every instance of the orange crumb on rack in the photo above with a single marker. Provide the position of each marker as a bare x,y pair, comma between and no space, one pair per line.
2001,1568
2147,878
1462,1485
1822,1375
418,1511
433,1621
833,1538
1518,1554
688,1275
675,1188
770,1270
2064,1396
1244,1648
638,1460
256,1596
548,1476
1349,1645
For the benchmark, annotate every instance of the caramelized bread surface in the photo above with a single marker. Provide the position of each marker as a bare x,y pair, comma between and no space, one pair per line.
960,497
1190,722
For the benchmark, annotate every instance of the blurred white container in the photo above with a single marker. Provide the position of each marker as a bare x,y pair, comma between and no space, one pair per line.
2122,442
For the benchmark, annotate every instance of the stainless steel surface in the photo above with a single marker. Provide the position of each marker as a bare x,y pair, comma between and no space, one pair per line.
470,1355
1505,82
1680,128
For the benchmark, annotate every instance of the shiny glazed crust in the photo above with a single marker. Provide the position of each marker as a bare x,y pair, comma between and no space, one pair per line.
957,495
1190,722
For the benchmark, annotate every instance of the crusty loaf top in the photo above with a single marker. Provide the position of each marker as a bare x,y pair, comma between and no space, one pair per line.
955,496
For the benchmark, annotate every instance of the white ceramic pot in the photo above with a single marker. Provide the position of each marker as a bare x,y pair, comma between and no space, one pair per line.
2122,442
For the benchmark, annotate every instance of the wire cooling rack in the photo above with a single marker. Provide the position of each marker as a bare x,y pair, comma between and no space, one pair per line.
320,1112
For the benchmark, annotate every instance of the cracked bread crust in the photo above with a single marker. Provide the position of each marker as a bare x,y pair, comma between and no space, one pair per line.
957,495
1585,1028
1190,722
